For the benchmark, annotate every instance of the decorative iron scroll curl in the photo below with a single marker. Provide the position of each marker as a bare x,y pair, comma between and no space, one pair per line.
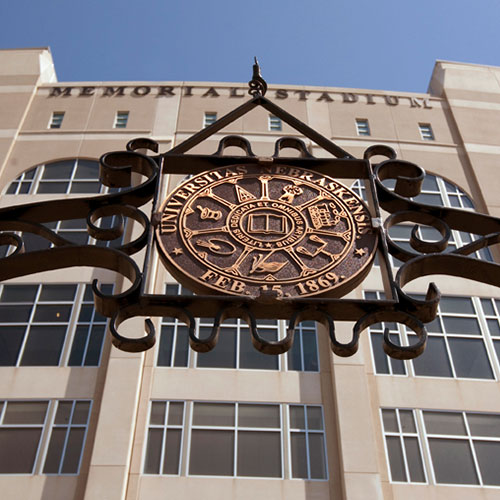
116,170
427,258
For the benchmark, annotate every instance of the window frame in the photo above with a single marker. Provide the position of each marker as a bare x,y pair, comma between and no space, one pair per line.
37,179
426,132
363,127
284,361
185,449
47,428
424,438
121,119
274,123
209,118
485,336
77,304
56,120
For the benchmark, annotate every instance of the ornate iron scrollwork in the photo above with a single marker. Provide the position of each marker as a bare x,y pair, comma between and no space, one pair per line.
116,169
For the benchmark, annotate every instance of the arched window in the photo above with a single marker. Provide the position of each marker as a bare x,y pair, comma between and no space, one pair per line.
439,192
75,176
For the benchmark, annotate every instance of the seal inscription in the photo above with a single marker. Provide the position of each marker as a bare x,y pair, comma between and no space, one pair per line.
248,229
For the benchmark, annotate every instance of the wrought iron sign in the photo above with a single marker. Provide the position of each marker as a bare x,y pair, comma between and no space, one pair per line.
258,237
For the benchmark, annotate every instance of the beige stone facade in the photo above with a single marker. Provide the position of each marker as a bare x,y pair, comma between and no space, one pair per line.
452,132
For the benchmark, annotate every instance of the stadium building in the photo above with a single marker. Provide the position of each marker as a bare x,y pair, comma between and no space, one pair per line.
80,419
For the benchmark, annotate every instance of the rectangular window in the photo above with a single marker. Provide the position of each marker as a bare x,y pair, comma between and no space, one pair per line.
24,425
362,126
461,447
403,446
42,325
275,123
426,131
209,118
121,119
234,348
307,442
236,440
56,119
458,345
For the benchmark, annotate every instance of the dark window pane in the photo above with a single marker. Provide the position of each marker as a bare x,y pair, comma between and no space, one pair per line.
465,326
434,360
434,326
171,460
55,450
311,362
78,347
397,365
258,415
259,454
317,458
172,289
211,453
175,413
488,456
314,418
437,422
58,170
11,338
493,327
153,451
52,313
452,460
19,293
15,314
52,187
470,358
44,346
390,421
250,358
484,424
157,413
26,412
461,305
73,451
87,169
181,346
57,293
81,413
414,460
223,355
85,187
381,360
396,458
430,183
299,455
297,417
294,355
213,414
430,199
95,345
407,421
18,449
165,349
63,414
400,231
77,237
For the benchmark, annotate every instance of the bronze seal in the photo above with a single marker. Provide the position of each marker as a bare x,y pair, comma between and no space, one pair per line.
247,229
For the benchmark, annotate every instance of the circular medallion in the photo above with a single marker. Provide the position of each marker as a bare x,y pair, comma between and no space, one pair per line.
252,230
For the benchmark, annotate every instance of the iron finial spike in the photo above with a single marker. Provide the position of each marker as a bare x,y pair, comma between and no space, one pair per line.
257,84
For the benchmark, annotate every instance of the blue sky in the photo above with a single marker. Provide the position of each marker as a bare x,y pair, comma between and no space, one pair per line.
362,44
